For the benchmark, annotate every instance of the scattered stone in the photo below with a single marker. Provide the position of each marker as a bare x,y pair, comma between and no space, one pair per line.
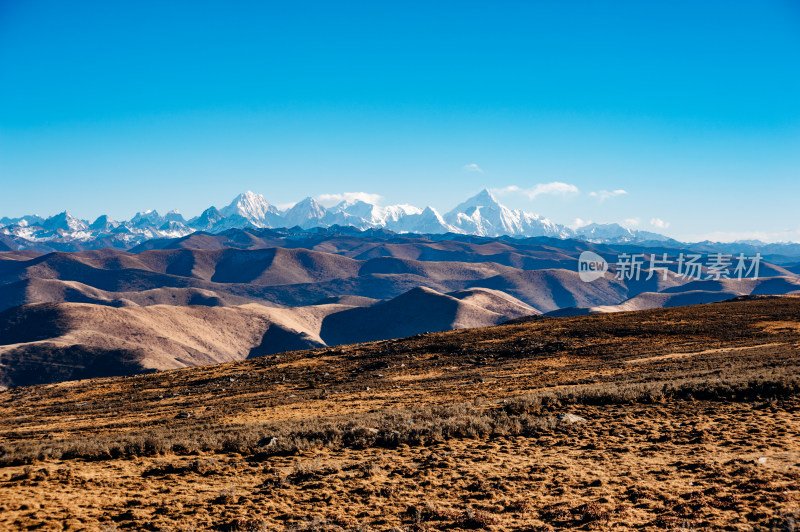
183,415
762,460
570,418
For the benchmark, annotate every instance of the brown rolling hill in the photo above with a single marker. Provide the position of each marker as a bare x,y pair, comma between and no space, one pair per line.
422,310
695,293
276,276
542,276
54,342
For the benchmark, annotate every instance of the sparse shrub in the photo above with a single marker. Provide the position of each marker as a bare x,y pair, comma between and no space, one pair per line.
476,519
245,524
591,512
520,506
227,496
555,513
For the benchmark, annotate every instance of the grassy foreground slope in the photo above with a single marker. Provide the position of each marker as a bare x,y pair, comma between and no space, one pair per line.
688,418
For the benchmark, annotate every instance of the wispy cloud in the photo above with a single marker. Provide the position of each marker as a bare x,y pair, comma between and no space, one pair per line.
329,200
603,195
658,222
472,167
577,223
556,188
631,222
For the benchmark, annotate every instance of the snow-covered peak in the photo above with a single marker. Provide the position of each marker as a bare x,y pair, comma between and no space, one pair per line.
253,208
174,216
354,207
208,220
484,215
612,232
65,222
149,217
484,198
481,215
306,213
426,221
103,223
24,221
594,231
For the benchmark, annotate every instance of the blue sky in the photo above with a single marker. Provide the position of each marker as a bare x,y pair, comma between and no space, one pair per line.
691,108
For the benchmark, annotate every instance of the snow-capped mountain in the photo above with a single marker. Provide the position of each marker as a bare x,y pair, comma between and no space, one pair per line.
306,214
615,233
149,218
363,215
24,221
428,221
600,232
481,215
64,222
255,209
175,216
104,224
210,220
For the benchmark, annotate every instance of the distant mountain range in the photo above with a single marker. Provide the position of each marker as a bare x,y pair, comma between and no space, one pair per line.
480,215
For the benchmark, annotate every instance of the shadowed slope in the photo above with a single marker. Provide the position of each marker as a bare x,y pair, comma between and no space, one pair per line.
421,310
51,342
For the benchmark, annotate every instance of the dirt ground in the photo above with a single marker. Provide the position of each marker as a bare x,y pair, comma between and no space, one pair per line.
689,419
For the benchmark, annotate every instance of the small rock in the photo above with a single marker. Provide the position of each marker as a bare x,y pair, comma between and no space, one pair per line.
570,418
762,460
183,415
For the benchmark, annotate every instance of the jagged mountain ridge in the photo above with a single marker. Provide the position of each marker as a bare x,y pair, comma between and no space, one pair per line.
480,215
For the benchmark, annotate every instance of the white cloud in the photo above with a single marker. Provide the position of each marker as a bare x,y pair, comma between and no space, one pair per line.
603,195
329,200
472,167
577,223
555,188
630,222
285,206
658,222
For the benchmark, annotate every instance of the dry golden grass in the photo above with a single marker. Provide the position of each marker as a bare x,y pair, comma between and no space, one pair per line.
451,431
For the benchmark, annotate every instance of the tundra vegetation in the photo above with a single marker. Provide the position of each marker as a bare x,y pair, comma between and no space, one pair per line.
676,419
